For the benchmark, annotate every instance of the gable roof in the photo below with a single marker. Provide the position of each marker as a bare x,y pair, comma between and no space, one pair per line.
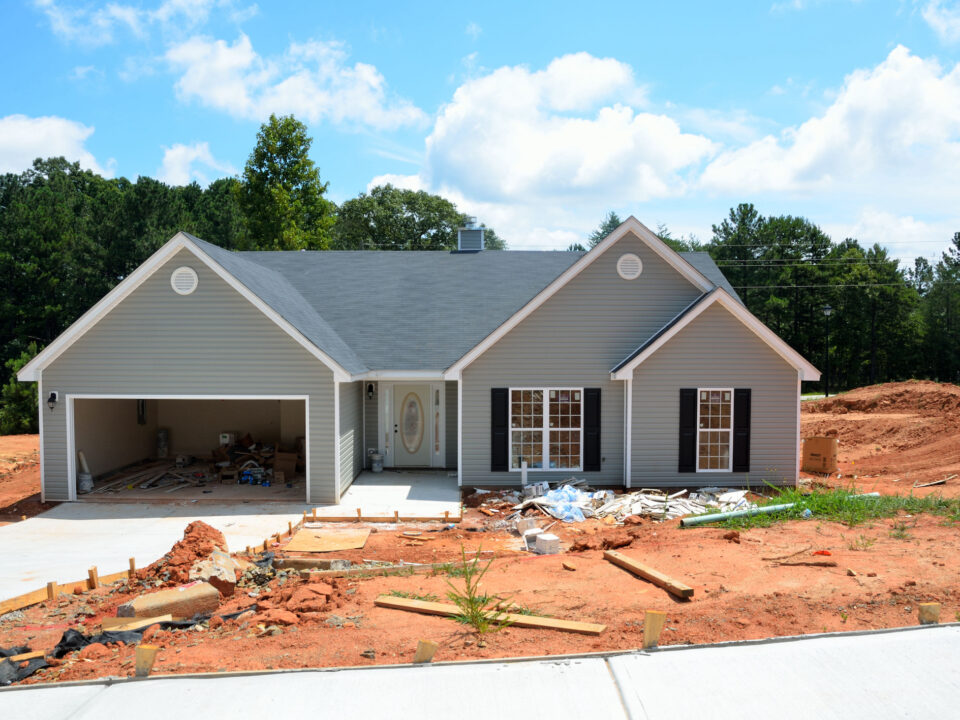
718,296
368,314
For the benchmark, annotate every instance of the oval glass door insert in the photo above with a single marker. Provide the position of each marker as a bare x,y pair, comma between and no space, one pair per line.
411,423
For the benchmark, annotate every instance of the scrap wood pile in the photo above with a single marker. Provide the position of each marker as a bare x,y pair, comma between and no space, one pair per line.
170,476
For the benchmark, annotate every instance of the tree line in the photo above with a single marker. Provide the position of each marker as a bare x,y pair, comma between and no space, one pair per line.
68,235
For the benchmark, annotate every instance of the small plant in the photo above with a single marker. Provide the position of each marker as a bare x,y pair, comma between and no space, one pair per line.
862,543
899,531
843,616
478,610
413,596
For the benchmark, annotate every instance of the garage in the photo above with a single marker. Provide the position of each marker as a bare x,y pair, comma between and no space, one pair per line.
173,448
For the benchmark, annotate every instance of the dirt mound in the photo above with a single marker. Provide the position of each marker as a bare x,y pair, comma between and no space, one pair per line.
921,397
198,543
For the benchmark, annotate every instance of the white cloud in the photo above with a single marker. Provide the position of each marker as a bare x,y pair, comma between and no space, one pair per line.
904,236
547,152
95,26
944,20
893,130
23,139
311,80
473,30
180,164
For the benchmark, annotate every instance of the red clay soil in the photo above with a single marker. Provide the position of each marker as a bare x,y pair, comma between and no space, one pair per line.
892,436
198,542
20,478
739,594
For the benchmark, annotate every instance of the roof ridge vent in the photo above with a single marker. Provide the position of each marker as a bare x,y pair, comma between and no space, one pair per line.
470,236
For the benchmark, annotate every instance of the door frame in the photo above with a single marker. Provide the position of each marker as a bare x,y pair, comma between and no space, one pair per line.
71,439
436,431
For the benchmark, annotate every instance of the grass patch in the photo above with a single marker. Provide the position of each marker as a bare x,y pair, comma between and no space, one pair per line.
413,596
862,543
845,506
899,532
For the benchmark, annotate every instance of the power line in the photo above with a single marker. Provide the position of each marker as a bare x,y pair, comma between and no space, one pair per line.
826,285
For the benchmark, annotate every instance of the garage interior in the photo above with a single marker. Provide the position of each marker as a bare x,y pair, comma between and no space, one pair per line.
189,449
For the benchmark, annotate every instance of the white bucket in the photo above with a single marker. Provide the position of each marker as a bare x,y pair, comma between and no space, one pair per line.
376,462
84,482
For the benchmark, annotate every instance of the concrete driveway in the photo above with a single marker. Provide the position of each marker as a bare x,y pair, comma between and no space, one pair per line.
62,543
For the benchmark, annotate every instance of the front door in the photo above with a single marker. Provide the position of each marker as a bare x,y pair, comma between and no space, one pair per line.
411,427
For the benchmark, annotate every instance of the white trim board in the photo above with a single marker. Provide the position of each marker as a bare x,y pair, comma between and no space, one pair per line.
630,225
738,310
71,440
30,371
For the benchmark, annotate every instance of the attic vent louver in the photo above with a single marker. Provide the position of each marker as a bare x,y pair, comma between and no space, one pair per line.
183,280
629,266
470,237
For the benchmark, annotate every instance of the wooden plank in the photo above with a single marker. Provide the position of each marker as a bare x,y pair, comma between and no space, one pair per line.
26,600
145,656
26,656
426,649
114,624
52,590
674,587
527,621
653,621
93,578
382,518
328,540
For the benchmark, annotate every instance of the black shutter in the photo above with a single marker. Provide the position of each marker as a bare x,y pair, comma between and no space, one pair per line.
688,431
591,430
499,419
741,430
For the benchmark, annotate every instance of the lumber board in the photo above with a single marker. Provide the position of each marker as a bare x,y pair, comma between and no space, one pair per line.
383,518
114,624
674,587
26,656
527,621
27,599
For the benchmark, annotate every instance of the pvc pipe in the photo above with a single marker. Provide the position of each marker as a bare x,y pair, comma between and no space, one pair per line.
717,517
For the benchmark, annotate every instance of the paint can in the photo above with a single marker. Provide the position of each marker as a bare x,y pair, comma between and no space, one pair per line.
376,462
84,482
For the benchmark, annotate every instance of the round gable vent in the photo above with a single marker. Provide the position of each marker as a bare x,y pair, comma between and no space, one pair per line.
183,280
629,266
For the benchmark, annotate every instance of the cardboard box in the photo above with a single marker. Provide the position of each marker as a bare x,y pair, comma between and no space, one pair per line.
819,455
285,462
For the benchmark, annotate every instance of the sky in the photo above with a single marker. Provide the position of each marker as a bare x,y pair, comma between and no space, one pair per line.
538,118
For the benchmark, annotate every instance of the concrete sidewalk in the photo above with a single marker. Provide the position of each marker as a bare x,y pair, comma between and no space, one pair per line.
909,673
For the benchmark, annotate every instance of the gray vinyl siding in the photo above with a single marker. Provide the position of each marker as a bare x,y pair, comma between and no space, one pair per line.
212,342
450,407
351,432
371,421
573,340
715,350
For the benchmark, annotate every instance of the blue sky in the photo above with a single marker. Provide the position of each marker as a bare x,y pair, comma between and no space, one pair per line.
537,119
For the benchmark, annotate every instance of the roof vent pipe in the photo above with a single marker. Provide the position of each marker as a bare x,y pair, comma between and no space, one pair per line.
470,236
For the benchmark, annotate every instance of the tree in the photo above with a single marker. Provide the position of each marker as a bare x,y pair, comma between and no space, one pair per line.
680,244
609,224
18,401
281,195
391,218
576,247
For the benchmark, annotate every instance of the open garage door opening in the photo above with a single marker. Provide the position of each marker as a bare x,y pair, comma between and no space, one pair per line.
167,449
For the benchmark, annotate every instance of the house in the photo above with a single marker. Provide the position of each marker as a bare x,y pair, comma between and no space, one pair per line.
628,365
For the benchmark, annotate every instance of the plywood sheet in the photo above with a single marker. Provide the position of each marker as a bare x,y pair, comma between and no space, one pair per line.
328,540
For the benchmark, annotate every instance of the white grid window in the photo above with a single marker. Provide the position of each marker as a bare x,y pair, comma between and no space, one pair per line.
546,427
714,429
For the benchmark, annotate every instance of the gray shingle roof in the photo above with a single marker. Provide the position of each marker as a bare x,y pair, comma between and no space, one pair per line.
383,310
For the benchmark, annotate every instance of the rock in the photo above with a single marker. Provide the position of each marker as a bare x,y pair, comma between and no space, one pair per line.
94,651
185,601
616,540
151,632
370,654
910,583
585,543
633,520
310,598
871,574
569,566
219,569
851,572
732,536
280,617
215,622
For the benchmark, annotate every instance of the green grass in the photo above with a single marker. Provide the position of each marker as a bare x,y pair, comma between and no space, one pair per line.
847,507
477,609
899,532
862,543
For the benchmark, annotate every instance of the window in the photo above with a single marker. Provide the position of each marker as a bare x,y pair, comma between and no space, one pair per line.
546,427
714,429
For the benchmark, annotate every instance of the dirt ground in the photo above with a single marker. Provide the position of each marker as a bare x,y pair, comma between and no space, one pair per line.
905,432
892,436
20,478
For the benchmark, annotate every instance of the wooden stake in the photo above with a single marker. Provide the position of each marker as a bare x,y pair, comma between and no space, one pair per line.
248,550
52,590
446,516
266,545
290,528
359,515
133,567
653,621
929,613
93,578
648,573
146,655
425,651
396,516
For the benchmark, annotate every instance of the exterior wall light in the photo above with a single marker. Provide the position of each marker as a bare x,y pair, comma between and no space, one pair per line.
52,401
